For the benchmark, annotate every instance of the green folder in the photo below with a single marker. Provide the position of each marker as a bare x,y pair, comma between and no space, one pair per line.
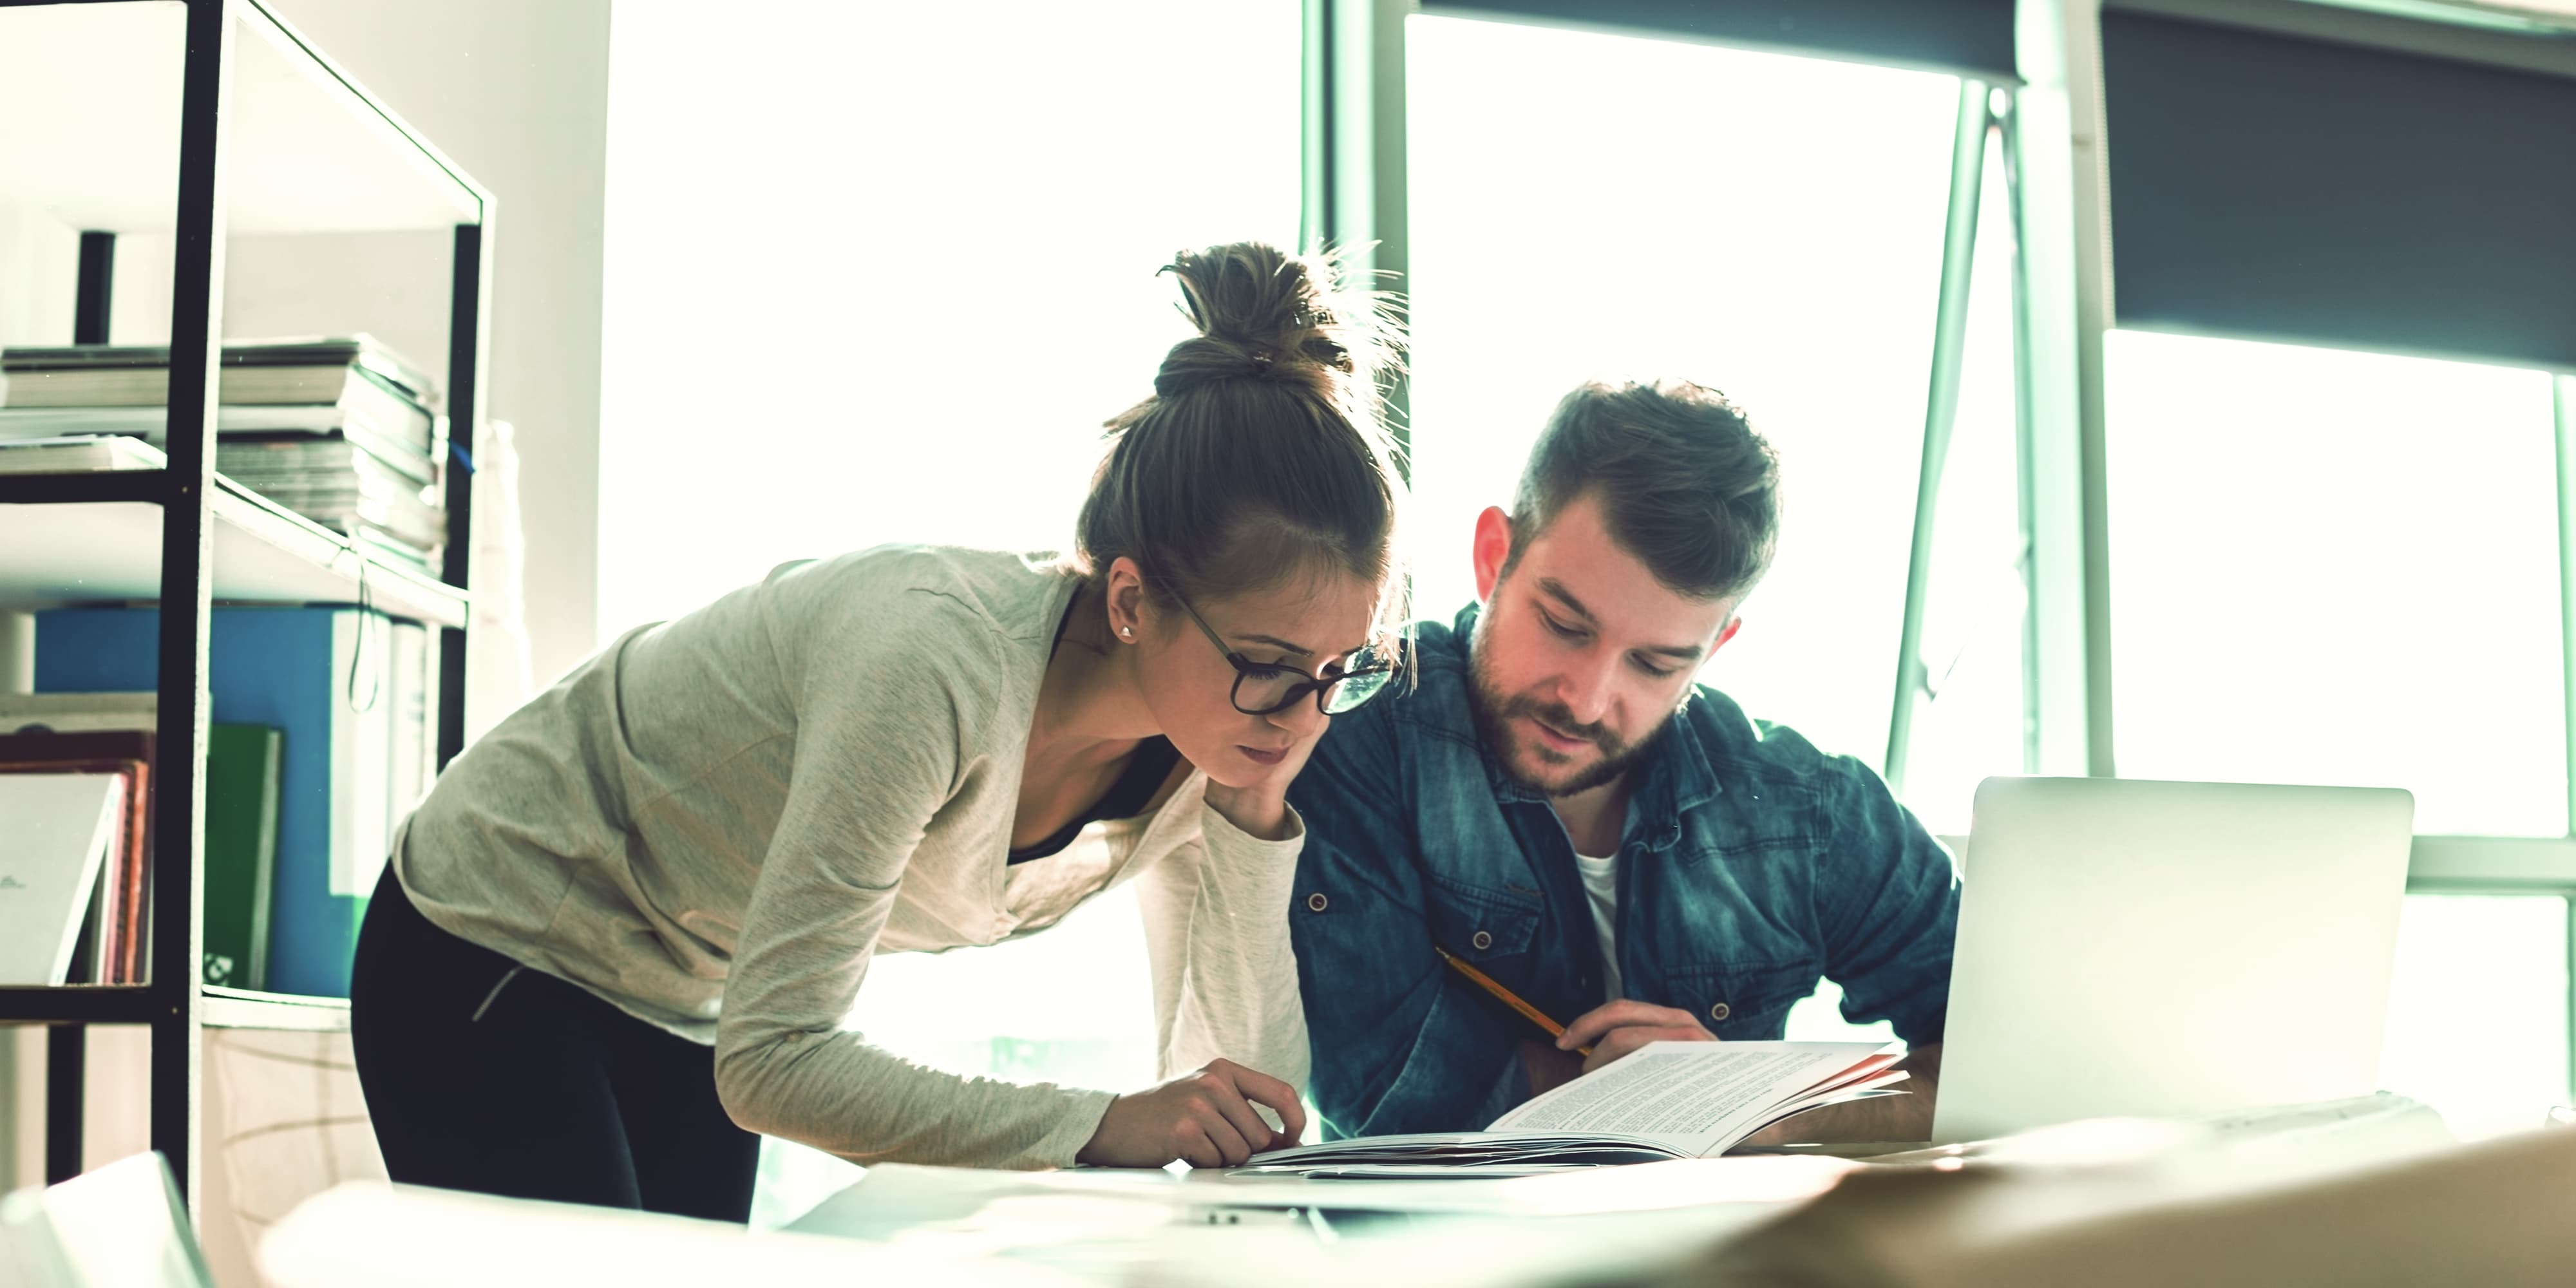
242,764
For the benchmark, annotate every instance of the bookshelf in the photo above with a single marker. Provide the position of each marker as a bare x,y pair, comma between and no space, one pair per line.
264,135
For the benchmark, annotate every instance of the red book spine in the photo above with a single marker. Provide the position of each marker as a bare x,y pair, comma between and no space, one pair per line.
122,944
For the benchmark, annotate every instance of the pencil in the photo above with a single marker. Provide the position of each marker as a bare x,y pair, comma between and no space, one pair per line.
1506,996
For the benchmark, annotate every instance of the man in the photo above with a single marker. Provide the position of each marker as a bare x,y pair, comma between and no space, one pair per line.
1559,805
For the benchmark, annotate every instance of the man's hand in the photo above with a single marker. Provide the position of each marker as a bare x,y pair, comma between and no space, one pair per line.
1547,1067
1205,1119
1617,1028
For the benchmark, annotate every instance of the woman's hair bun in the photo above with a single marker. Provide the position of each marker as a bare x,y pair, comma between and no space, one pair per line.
1264,452
1266,315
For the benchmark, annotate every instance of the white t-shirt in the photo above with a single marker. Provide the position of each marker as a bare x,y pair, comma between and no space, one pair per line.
1601,890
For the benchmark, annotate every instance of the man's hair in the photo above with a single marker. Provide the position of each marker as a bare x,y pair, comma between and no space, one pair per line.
1684,482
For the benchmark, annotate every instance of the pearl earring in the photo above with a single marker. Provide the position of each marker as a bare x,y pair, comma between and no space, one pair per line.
1126,632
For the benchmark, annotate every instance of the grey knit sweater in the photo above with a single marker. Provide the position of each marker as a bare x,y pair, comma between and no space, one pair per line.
716,822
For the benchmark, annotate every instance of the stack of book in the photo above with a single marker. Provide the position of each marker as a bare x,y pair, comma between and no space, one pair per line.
87,901
77,789
64,828
340,430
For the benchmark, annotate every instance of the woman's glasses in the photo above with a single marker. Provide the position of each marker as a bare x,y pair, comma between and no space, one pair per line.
1261,688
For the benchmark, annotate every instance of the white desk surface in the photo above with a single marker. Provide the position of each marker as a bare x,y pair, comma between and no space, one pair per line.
961,1226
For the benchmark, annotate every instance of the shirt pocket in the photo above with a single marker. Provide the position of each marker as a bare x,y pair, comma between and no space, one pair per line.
1480,924
1744,1001
1768,823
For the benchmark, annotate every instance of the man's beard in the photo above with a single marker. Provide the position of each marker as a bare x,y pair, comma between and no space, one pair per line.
1494,713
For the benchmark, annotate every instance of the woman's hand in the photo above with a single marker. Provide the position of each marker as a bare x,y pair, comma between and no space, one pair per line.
1260,809
1205,1119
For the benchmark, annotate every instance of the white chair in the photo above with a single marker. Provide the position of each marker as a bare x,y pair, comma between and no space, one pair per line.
119,1226
29,1253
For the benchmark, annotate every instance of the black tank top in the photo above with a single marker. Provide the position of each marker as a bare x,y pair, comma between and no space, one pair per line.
1147,767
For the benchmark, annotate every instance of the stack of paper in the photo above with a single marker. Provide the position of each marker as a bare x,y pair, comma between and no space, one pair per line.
1667,1100
339,429
77,454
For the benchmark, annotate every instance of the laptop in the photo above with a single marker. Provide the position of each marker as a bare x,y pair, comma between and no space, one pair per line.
2149,948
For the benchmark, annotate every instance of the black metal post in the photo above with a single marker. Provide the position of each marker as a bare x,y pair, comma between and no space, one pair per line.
187,589
95,287
66,1074
67,1045
464,415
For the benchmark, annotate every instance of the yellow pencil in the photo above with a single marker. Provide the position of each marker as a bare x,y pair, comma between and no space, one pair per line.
1506,996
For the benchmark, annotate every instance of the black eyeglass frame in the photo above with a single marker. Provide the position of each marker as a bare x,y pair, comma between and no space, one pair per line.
1245,669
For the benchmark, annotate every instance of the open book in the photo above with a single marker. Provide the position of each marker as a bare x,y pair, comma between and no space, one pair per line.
1665,1100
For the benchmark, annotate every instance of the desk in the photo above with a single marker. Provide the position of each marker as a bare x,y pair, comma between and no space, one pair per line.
1109,1225
2352,1195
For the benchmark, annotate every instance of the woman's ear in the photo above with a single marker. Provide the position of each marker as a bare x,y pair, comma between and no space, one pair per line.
1126,606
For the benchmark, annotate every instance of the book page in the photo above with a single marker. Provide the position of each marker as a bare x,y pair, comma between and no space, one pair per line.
1687,1094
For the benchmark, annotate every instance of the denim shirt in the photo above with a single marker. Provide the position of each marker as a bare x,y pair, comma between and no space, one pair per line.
1752,865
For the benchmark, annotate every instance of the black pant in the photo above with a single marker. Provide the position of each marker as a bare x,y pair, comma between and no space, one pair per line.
520,1084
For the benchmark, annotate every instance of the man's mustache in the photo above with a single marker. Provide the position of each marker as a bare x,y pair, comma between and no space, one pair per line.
1560,717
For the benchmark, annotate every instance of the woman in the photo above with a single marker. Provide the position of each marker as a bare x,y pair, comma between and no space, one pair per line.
700,836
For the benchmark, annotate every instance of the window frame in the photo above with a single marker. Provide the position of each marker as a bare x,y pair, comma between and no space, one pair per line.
2064,306
2052,131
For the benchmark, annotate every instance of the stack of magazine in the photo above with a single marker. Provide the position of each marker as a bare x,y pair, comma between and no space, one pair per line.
340,430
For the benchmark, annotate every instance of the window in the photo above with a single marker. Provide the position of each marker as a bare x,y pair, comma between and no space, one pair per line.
2338,568
853,247
2477,1017
850,248
2343,568
934,258
1598,206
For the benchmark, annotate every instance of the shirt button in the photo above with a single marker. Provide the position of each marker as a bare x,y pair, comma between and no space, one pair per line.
1316,902
1720,1011
1482,941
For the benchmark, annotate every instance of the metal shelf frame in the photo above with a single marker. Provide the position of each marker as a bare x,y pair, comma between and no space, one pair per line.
174,1003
